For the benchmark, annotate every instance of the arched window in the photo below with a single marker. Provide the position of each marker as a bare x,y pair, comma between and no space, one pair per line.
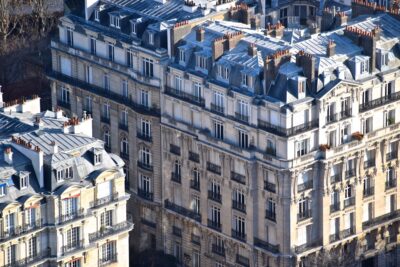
124,146
107,139
145,156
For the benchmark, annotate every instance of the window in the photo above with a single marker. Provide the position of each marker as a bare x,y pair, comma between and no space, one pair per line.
114,21
389,117
133,27
239,196
24,181
106,81
243,139
106,110
73,263
68,173
107,139
32,247
124,88
10,222
240,226
302,86
388,89
385,59
72,237
70,37
335,197
146,128
197,90
177,168
367,212
70,206
145,156
178,83
215,187
129,58
151,38
88,104
178,251
303,208
243,109
302,147
124,146
11,255
65,95
201,62
283,12
345,134
88,74
367,125
124,117
223,72
271,148
97,15
182,55
195,205
93,46
215,215
59,175
106,218
218,102
348,191
148,67
271,207
144,98
109,252
97,159
196,259
110,51
218,130
246,80
364,66
144,183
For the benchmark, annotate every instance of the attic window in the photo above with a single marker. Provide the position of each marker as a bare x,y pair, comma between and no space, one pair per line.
364,66
201,62
385,59
223,72
3,190
68,173
302,87
24,181
247,80
97,15
114,21
97,159
59,175
133,28
151,38
182,56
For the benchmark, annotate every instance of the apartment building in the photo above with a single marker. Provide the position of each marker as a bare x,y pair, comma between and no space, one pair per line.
62,196
283,154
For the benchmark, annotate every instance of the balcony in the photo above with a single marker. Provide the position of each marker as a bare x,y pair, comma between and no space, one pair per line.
241,117
213,168
195,100
29,261
304,186
176,177
217,109
70,217
270,151
338,116
304,247
306,214
350,173
109,231
369,163
335,207
195,239
182,211
124,155
145,194
379,102
240,206
242,260
120,99
21,230
194,184
73,246
214,225
381,219
346,233
104,119
391,183
145,166
110,259
123,127
266,245
270,215
287,132
335,178
348,202
369,191
217,249
194,157
239,235
391,155
270,187
174,149
237,177
148,223
104,200
144,136
63,104
333,237
176,231
215,196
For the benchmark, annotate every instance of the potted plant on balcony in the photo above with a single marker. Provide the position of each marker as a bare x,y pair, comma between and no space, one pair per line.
324,147
357,136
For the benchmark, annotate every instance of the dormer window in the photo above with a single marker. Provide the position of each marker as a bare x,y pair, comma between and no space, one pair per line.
3,190
182,55
68,173
59,175
97,159
201,62
114,21
151,38
24,181
364,66
385,59
247,80
223,72
97,15
133,28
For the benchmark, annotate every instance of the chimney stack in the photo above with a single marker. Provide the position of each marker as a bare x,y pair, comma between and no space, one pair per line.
59,113
254,23
331,49
252,50
8,156
54,147
200,34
